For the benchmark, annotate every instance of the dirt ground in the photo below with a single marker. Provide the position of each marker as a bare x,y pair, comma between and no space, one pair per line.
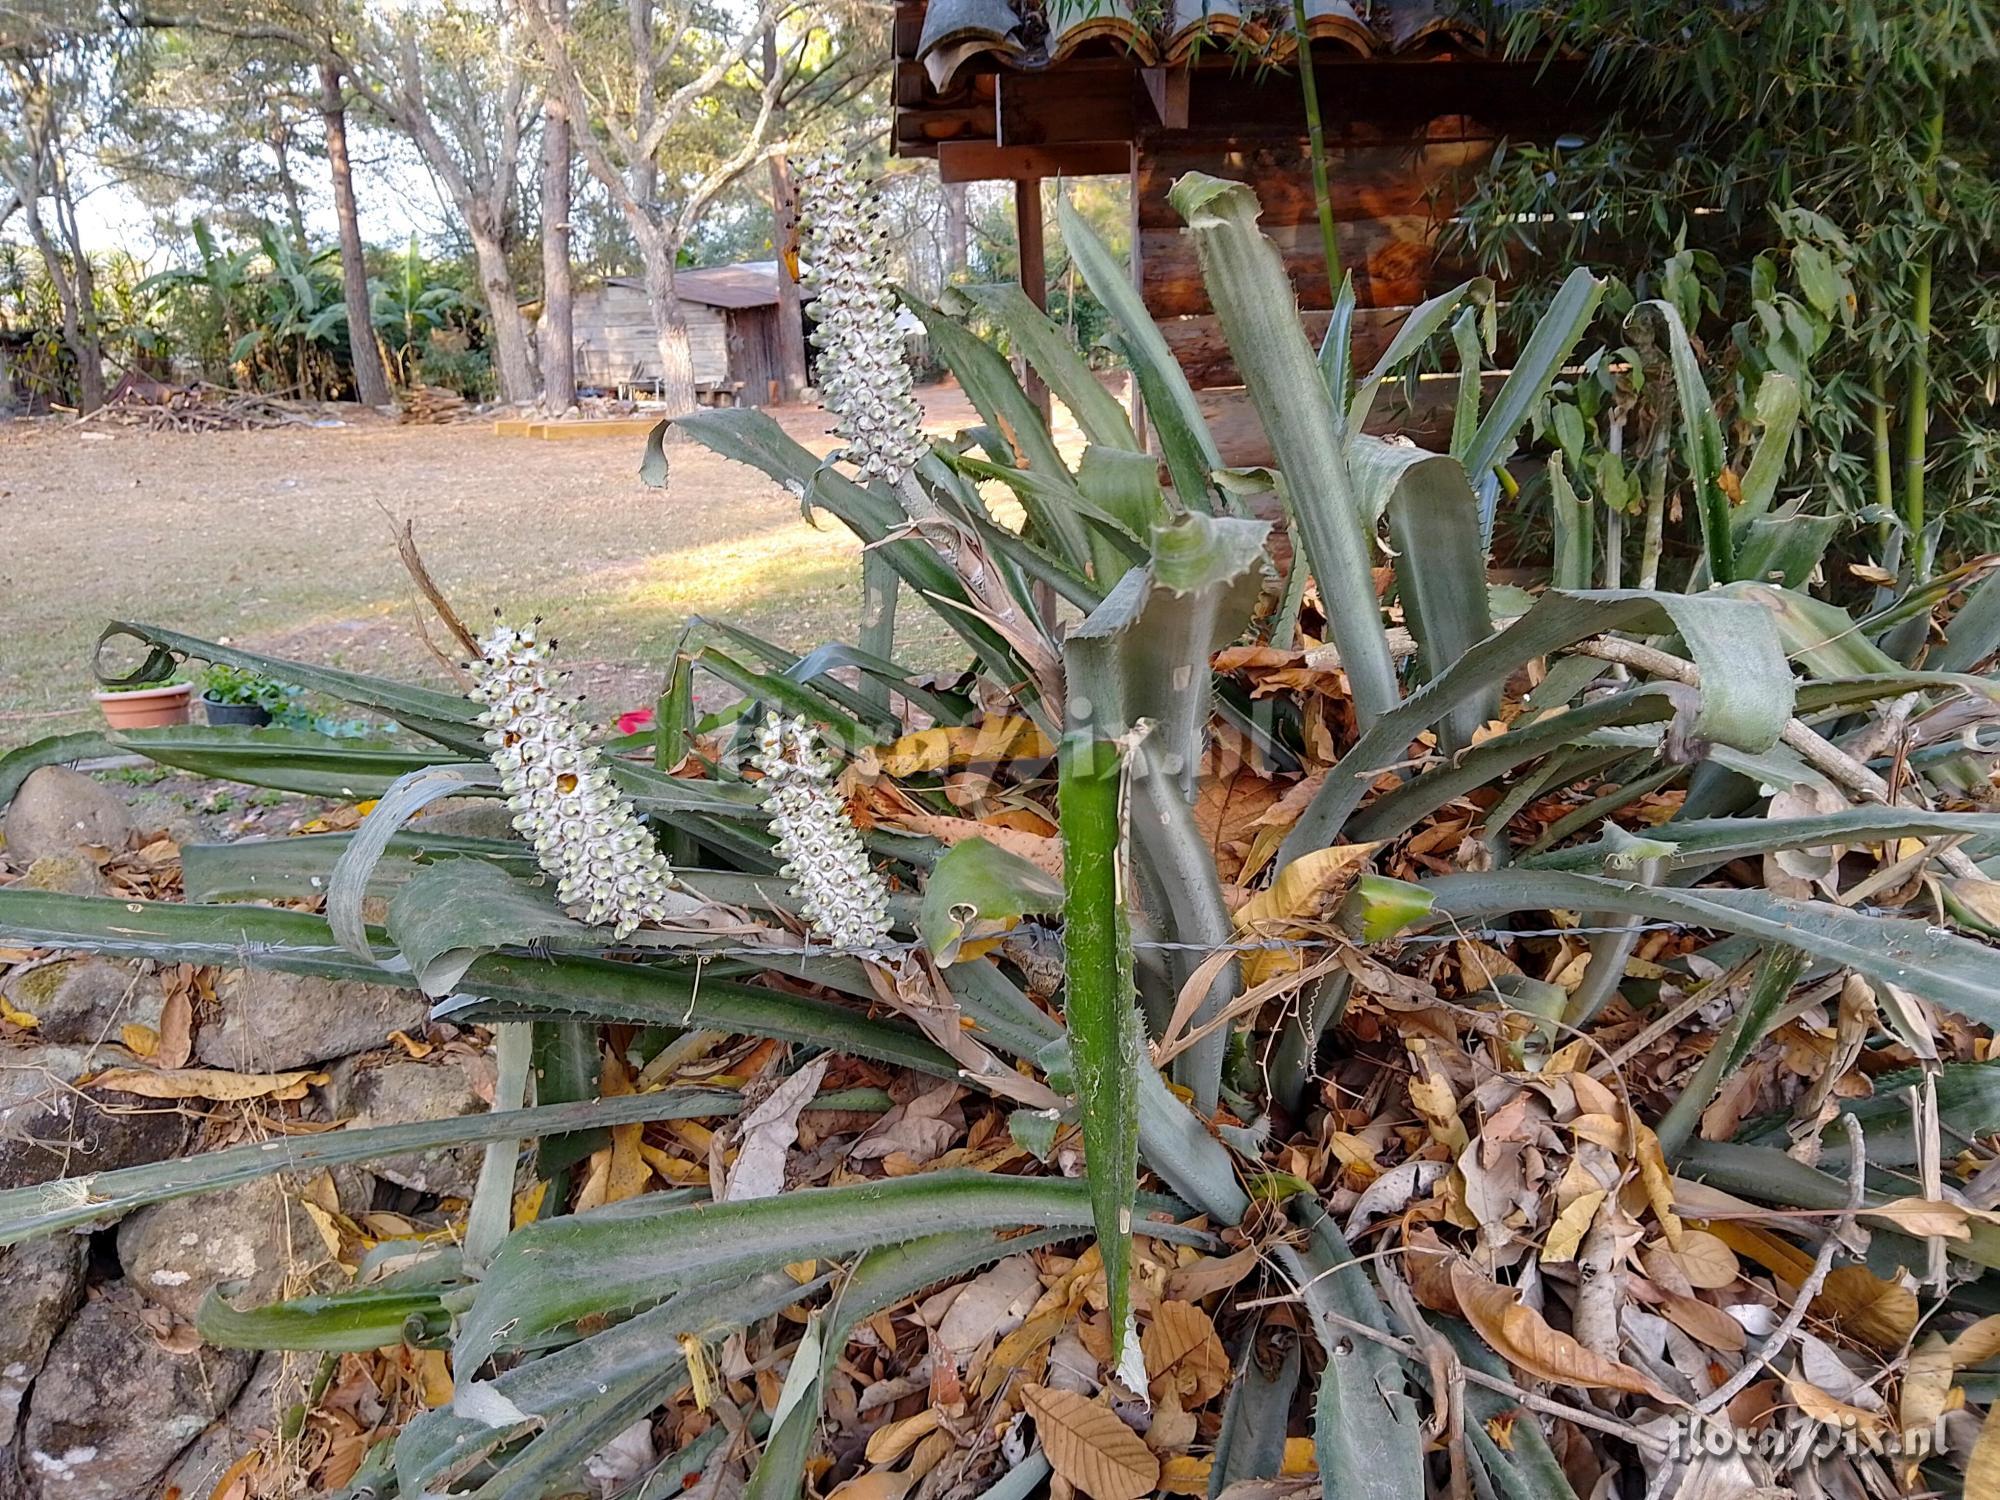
283,541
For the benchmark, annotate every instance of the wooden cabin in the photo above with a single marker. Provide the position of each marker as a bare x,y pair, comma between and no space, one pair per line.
732,323
1413,94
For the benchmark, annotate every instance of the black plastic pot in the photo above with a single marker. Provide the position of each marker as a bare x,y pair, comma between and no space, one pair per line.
234,713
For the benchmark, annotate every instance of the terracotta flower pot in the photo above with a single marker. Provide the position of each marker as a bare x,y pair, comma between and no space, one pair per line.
147,708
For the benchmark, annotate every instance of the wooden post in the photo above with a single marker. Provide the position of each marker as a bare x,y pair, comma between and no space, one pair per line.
1034,268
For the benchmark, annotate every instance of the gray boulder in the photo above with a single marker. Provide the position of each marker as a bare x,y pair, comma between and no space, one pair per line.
65,875
41,1282
86,999
174,1252
280,1380
256,1234
113,1407
401,1090
49,1129
272,1022
59,811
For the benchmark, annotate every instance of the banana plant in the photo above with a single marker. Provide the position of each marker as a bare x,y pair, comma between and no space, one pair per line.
1189,1027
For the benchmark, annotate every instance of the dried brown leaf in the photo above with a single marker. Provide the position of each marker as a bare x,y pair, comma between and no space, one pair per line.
1089,1447
1523,1337
207,1083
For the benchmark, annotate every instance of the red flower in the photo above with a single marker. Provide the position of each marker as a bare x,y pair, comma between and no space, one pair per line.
635,720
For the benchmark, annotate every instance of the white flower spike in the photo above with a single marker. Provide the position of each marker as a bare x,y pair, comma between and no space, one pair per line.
864,378
837,889
607,870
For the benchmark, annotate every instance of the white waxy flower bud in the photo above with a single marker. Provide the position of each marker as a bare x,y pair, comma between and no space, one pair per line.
607,870
837,889
864,378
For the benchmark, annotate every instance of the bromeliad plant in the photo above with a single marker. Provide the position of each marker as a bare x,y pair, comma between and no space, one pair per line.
1338,909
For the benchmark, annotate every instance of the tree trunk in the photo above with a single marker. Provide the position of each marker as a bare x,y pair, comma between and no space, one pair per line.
957,232
371,382
791,315
513,363
288,185
70,275
784,245
676,358
558,337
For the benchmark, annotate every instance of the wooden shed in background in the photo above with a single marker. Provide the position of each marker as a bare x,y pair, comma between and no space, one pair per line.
1413,95
732,321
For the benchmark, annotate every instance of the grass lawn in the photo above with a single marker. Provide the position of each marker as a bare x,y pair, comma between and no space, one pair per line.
284,541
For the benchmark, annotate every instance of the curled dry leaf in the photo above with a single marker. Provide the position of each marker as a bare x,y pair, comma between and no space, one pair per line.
940,748
1705,1260
1089,1447
213,1084
1924,1217
1183,1354
1523,1338
1881,1314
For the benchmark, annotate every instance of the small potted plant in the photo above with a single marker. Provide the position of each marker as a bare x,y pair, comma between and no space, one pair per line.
230,695
146,705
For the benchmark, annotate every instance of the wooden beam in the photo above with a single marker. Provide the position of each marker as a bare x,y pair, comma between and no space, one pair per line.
1034,270
985,161
1168,89
1067,107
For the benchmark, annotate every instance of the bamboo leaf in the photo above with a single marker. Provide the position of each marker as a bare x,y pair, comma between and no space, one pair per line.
550,1273
43,1208
1535,370
1185,442
1055,359
357,1321
500,986
1253,299
1440,564
287,760
444,717
1701,444
1104,1035
1953,971
1747,692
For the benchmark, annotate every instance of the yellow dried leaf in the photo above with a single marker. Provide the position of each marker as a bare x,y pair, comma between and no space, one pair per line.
411,1046
14,1017
630,1171
1180,1345
891,1441
1982,1469
876,1484
1658,1181
1977,1344
433,1377
963,744
1881,1314
1019,1346
1823,1406
212,1084
1925,1394
1570,1227
1089,1447
140,1041
1523,1338
1040,850
1706,1261
1299,893
1184,1474
1777,1256
1300,1458
1924,1217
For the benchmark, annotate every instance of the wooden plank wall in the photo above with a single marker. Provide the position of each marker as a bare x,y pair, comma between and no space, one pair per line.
1403,139
615,339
